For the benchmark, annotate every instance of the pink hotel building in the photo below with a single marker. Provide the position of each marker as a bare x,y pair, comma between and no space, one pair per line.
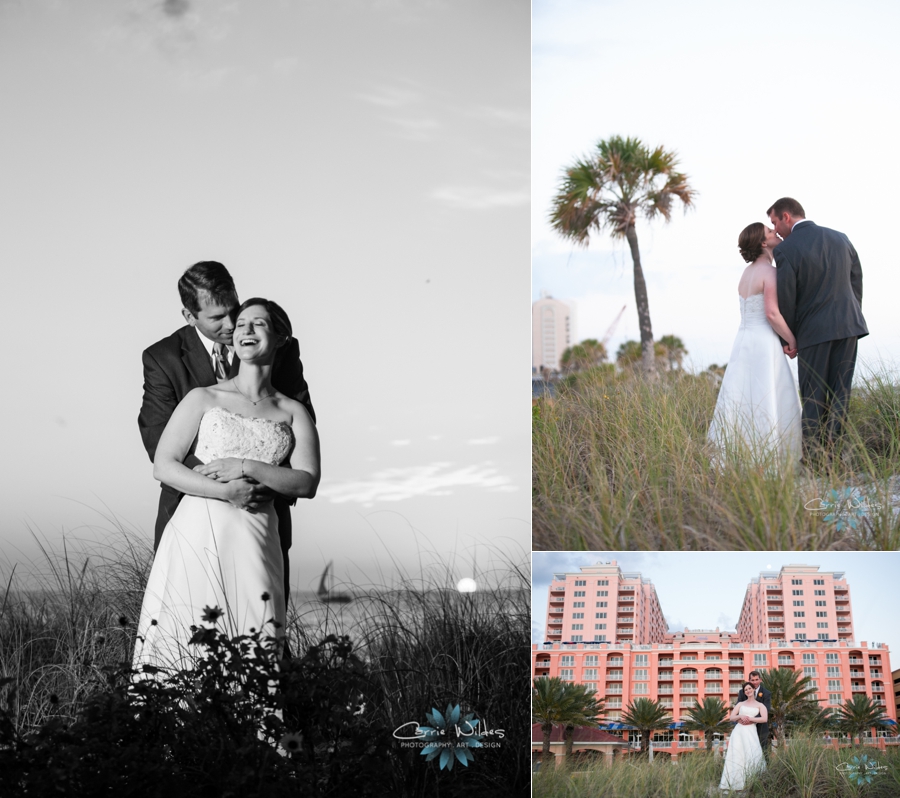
605,628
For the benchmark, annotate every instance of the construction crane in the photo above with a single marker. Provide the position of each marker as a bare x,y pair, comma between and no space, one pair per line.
612,327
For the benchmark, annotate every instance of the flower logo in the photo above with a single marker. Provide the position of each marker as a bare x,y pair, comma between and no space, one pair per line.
450,736
861,770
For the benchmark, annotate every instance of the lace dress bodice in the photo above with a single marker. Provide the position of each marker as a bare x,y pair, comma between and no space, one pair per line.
753,311
750,712
226,434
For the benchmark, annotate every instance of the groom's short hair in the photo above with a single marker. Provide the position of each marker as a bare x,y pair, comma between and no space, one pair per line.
787,205
210,280
754,673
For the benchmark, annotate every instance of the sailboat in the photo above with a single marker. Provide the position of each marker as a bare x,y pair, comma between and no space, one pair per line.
327,595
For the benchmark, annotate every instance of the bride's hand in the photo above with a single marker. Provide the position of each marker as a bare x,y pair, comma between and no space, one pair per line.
242,494
227,469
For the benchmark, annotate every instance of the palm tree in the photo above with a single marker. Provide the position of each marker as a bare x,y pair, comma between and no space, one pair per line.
792,696
608,190
859,714
630,355
709,717
558,703
674,350
588,353
646,716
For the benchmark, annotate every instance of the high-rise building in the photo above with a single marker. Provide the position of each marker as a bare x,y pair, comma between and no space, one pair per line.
552,332
796,603
636,656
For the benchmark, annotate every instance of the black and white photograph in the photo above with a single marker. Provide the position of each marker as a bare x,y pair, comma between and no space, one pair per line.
266,512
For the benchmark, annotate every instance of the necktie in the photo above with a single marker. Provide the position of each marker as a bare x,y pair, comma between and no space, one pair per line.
221,354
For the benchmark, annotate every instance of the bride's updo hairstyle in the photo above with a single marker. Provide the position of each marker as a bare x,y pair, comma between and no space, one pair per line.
744,687
281,324
750,241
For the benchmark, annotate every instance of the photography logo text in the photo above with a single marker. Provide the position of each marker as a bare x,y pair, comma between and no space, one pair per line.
448,737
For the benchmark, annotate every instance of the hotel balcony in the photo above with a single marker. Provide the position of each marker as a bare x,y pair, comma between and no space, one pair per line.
785,660
688,688
615,676
614,690
875,661
666,662
666,702
775,629
688,704
665,690
877,689
713,688
858,674
858,688
856,661
773,589
625,619
557,591
735,674
666,676
735,661
615,661
880,702
615,703
776,618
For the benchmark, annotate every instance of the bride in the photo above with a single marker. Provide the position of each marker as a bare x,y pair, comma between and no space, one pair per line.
220,549
745,754
758,407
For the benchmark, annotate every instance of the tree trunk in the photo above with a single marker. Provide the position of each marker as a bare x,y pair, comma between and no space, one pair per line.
567,745
547,729
648,357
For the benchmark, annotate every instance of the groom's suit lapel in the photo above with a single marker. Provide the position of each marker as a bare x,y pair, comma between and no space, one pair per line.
196,360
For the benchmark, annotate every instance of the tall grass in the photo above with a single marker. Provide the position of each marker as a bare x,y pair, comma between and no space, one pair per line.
421,646
805,768
622,462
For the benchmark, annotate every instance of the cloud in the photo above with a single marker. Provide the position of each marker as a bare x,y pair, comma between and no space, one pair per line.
405,442
391,96
483,441
397,484
478,198
506,116
415,129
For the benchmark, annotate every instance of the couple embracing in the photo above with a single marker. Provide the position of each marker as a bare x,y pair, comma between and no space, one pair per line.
801,297
228,424
748,745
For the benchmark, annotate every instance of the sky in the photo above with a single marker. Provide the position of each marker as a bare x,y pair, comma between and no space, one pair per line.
705,590
759,101
366,164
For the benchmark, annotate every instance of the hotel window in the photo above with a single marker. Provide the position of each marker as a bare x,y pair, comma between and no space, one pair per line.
591,685
579,594
599,614
641,659
796,581
822,625
798,603
689,656
578,615
577,638
567,673
592,659
599,638
809,658
832,658
818,581
834,699
834,671
835,684
796,592
567,659
603,581
599,625
759,659
590,673
800,635
640,688
640,673
821,604
799,613
577,603
818,592
823,636
580,582
821,614
809,671
813,684
813,696
602,592
578,626
601,603
800,624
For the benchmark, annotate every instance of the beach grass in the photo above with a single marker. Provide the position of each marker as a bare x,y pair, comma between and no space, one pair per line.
805,768
69,622
623,462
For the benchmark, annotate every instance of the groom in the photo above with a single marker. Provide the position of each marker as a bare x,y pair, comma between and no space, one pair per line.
199,355
765,698
819,281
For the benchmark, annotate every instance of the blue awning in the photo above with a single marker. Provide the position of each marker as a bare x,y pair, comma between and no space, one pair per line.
676,725
892,722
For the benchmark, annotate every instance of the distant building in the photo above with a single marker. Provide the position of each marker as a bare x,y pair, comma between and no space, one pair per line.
895,675
605,629
552,332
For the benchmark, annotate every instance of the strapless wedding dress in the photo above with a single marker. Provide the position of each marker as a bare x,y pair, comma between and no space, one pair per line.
745,754
759,403
213,554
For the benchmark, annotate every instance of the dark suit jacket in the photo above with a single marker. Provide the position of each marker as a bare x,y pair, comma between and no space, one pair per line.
176,365
765,698
819,285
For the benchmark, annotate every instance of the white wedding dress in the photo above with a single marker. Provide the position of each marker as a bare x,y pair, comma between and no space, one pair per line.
745,754
213,554
758,409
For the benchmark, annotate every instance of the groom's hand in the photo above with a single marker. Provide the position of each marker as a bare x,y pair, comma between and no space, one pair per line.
791,353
